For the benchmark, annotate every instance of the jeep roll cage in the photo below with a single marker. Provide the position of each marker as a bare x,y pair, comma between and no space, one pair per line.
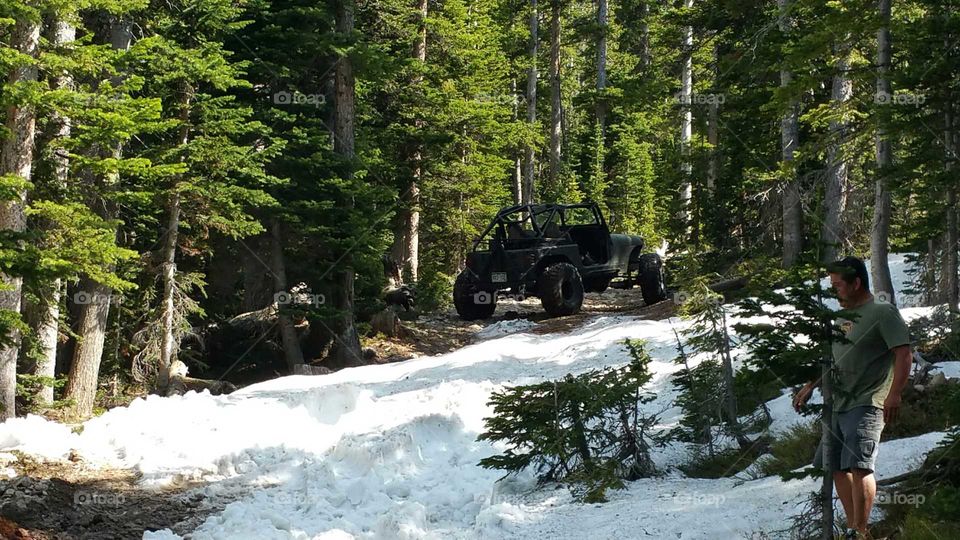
504,224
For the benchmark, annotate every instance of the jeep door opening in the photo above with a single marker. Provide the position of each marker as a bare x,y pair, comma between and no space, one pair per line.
555,252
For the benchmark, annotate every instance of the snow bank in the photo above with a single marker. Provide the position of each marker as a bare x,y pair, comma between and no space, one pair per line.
950,370
390,451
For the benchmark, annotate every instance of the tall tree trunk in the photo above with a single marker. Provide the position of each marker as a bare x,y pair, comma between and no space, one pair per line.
93,315
278,268
347,351
713,128
170,341
932,296
405,251
16,160
789,139
517,184
46,313
645,56
602,29
529,170
258,286
91,328
832,233
826,426
413,221
949,273
879,238
686,123
556,112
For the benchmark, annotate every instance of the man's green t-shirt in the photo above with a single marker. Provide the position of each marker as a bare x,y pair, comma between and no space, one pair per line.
864,365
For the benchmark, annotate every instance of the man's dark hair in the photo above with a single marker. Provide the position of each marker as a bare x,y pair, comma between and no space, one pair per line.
851,268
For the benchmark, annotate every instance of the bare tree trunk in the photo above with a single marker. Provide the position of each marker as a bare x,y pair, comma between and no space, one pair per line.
879,238
168,276
713,129
826,428
645,56
932,296
532,76
16,160
832,234
516,187
405,251
789,139
826,423
288,332
91,329
347,352
413,196
948,278
94,314
170,341
257,280
602,29
556,112
46,319
686,123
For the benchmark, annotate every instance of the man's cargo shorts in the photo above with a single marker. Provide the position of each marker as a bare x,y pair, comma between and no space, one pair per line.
856,439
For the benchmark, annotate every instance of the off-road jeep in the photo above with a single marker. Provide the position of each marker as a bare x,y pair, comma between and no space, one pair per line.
555,252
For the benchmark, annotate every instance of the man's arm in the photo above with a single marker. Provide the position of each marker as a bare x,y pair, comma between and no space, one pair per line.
902,361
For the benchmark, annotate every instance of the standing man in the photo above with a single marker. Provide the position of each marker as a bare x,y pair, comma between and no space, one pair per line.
870,371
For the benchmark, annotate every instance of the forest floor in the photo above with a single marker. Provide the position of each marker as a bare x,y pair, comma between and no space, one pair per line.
54,500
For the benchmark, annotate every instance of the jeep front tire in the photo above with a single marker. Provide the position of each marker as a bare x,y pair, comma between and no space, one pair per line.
472,303
560,289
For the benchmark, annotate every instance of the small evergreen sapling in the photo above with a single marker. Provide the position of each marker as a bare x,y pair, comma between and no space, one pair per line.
585,430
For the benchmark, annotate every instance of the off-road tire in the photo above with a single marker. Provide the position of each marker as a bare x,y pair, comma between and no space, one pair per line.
651,280
560,289
465,300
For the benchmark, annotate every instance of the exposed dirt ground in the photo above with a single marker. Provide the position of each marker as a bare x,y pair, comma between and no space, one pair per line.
72,500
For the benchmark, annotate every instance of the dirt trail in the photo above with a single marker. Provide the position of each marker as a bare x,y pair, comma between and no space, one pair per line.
443,333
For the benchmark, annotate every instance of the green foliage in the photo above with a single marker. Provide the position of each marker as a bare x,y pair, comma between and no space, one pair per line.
434,289
788,350
585,430
792,450
721,463
29,386
704,396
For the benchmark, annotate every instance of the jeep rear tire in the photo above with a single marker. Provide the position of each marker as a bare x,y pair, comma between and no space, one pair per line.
471,302
651,280
560,289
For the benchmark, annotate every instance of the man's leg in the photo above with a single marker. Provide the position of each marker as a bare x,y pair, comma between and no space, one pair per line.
843,482
864,491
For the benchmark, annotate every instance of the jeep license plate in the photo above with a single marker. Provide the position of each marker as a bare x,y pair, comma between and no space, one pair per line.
498,277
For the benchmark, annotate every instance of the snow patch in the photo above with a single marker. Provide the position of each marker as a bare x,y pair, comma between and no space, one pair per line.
504,328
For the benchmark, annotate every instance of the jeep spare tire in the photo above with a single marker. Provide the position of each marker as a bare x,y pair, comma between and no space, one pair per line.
560,289
471,302
652,284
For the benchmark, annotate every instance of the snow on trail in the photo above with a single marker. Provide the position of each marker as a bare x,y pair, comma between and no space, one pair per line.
390,451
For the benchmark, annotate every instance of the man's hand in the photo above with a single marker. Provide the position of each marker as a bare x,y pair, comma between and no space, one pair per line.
803,396
891,407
